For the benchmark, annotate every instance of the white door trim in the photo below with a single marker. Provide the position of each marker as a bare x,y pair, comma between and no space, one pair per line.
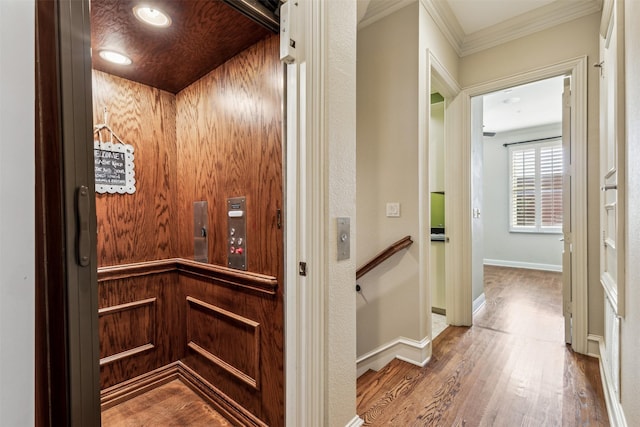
577,67
305,208
440,79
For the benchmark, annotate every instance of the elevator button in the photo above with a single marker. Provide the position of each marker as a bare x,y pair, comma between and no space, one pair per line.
239,251
240,240
232,250
232,231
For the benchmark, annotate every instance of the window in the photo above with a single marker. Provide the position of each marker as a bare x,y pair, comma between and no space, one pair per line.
536,187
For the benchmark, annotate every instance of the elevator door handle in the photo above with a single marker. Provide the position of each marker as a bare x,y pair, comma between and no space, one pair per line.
84,238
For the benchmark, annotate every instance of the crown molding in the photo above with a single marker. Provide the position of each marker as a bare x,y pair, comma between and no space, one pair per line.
447,22
556,13
381,9
551,15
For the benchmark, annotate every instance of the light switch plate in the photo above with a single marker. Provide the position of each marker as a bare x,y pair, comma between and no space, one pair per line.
393,209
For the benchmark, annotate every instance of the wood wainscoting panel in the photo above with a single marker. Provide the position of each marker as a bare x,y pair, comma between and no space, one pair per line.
140,226
226,339
224,321
129,329
139,324
229,129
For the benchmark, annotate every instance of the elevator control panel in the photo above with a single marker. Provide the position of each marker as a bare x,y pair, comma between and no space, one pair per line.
237,233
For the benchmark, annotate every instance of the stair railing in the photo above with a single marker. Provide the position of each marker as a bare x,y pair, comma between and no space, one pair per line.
401,244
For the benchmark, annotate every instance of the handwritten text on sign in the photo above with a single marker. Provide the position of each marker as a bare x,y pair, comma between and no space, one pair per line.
114,168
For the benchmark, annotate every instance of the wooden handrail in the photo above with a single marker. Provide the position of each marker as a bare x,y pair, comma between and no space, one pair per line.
405,242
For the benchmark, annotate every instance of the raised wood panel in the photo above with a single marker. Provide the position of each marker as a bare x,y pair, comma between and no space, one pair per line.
226,339
130,340
141,226
267,403
232,319
126,329
229,129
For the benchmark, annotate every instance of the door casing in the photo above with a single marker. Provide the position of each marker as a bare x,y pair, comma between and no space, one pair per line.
577,69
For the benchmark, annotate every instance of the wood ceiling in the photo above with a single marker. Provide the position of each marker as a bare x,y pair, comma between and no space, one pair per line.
203,35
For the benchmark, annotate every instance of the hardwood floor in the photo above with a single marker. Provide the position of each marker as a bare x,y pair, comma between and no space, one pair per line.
171,404
511,368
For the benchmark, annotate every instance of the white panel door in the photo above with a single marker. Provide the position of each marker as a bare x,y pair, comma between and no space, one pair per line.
612,158
567,248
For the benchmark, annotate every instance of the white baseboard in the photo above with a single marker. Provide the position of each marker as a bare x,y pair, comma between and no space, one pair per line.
520,264
593,345
614,408
355,422
479,302
415,352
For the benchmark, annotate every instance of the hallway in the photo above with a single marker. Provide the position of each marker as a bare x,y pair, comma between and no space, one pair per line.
511,368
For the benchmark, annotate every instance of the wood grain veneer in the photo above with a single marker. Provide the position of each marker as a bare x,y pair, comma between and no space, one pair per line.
227,339
171,58
220,323
267,403
229,128
138,227
221,137
138,326
222,275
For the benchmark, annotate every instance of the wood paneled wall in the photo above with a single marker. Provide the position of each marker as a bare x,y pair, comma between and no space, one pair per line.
142,226
137,326
219,138
229,128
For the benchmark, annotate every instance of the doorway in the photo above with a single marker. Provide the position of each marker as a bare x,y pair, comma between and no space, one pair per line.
576,303
519,203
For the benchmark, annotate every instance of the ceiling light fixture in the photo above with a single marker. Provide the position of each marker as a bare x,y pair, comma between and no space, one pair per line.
152,16
115,57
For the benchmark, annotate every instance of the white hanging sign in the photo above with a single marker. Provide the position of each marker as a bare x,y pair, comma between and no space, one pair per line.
114,168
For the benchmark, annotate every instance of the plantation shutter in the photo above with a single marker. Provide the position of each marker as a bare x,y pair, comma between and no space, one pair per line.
523,188
536,187
551,186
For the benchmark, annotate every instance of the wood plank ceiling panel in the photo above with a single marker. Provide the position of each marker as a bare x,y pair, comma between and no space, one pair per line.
203,35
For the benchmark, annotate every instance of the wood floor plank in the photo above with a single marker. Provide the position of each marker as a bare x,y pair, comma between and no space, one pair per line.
511,368
171,404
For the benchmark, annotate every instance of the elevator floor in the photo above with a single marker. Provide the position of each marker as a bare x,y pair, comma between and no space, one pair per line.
171,404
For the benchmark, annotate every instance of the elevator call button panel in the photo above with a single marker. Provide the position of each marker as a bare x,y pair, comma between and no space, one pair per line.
237,233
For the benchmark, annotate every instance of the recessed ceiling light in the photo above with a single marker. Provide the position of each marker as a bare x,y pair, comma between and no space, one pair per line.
115,57
152,16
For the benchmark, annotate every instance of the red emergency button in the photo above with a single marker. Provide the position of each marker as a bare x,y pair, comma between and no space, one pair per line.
239,251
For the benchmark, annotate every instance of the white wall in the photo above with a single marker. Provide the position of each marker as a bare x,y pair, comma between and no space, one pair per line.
557,44
391,75
340,99
387,171
17,212
528,250
630,324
